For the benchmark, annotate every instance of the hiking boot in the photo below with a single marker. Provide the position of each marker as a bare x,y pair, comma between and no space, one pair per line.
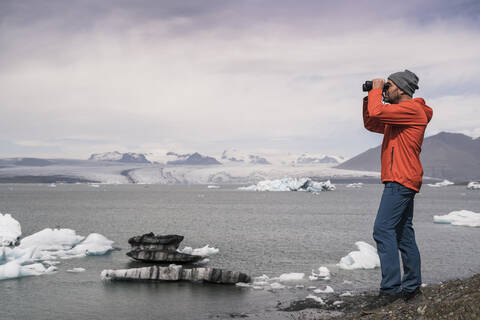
382,300
407,296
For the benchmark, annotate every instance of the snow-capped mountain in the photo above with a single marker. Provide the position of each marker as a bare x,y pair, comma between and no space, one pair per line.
128,157
191,159
234,156
308,158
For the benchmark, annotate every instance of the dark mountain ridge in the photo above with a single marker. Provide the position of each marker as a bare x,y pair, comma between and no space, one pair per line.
452,156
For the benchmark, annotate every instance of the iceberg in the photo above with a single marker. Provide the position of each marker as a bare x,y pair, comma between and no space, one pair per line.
52,239
37,253
443,183
204,251
76,270
459,218
365,258
323,274
355,185
327,289
14,269
94,245
473,185
286,277
315,298
213,187
10,230
291,184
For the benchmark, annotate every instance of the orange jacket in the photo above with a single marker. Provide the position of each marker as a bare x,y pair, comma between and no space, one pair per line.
403,126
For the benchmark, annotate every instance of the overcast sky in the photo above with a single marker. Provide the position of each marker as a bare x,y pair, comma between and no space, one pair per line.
79,77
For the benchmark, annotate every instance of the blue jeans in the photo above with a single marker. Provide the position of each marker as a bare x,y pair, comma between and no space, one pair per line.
393,231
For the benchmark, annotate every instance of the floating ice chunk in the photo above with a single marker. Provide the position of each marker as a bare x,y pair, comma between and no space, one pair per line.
299,286
286,277
94,185
337,303
323,274
346,294
443,183
315,298
355,185
365,258
327,289
277,286
52,239
202,262
473,185
204,251
243,285
459,218
291,184
311,288
10,230
213,187
14,269
76,270
95,244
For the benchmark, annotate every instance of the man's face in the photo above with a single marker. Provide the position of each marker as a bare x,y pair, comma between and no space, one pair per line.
392,95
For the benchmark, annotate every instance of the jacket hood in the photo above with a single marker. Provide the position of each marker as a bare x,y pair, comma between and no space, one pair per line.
428,111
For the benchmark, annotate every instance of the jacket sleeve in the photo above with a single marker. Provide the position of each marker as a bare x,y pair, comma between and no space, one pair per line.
370,123
394,114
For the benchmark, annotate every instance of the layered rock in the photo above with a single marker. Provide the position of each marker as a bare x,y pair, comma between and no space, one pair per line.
159,249
176,273
162,256
151,241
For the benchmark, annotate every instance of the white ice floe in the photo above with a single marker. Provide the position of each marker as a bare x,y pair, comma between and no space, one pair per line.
355,185
327,289
76,270
52,239
473,185
346,294
287,277
365,258
213,187
459,218
243,284
204,251
443,183
315,298
323,274
14,269
10,230
38,253
291,184
277,286
337,303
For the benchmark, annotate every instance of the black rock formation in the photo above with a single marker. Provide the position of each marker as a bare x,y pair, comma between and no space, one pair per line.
176,273
159,249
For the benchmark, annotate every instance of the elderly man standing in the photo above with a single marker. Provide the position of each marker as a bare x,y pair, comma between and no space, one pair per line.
402,122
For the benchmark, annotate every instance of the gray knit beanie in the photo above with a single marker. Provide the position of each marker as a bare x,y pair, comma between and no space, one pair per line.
407,81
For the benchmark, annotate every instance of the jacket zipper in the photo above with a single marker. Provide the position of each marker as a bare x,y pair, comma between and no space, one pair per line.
391,163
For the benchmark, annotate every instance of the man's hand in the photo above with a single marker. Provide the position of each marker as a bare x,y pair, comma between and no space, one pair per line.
378,83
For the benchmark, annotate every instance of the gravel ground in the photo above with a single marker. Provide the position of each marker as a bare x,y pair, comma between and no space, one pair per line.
452,300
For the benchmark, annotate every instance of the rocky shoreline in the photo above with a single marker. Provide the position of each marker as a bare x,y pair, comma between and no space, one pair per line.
452,300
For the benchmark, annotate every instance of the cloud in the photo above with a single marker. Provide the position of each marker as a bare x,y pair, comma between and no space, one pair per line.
206,77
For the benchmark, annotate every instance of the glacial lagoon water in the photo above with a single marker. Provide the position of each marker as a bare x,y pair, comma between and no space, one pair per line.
257,232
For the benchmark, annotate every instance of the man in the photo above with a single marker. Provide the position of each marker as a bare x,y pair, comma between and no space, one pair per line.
402,123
